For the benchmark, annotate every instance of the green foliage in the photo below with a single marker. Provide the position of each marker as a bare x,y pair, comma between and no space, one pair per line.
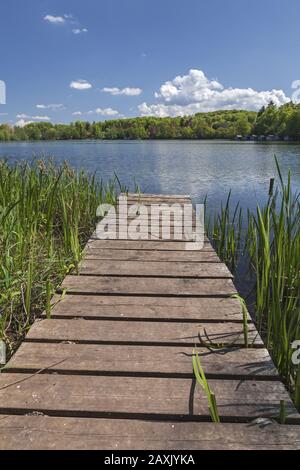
270,248
202,381
217,125
47,214
274,248
271,120
280,121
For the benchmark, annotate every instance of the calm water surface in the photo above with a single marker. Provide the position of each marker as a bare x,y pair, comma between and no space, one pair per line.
183,167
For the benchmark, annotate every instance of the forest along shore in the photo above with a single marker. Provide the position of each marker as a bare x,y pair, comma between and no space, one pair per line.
270,123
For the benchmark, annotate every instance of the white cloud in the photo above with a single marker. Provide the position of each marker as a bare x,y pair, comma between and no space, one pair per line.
22,123
49,106
37,118
80,85
194,93
105,112
100,111
41,118
22,116
79,30
55,19
123,91
67,20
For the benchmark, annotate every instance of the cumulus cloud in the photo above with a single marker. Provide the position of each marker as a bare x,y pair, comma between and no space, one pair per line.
79,30
194,93
100,111
105,112
37,118
22,123
67,20
80,85
41,118
49,106
127,91
55,19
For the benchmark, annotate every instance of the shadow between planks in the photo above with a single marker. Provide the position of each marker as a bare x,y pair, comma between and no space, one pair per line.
112,368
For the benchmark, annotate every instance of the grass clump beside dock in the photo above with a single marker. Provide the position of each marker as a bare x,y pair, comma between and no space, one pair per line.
269,246
47,214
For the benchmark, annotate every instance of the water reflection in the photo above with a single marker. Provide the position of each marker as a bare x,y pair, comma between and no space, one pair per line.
186,167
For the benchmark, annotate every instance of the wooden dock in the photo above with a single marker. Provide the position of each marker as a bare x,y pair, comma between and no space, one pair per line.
112,368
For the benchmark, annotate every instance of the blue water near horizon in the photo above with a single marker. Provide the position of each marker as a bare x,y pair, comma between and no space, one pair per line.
197,168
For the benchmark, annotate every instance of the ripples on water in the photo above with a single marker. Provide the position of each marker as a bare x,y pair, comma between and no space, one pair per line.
183,167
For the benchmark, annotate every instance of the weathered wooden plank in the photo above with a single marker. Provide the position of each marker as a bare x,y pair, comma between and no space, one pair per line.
148,286
141,221
51,433
167,245
155,219
138,332
140,307
143,196
155,225
139,396
154,233
166,205
158,201
143,367
154,255
151,268
151,360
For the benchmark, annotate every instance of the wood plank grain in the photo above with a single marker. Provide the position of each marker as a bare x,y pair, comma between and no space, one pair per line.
151,360
117,331
156,196
140,307
157,218
50,433
102,396
154,255
149,268
148,286
154,233
158,200
144,245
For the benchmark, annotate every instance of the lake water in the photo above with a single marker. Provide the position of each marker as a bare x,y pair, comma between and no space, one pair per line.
197,168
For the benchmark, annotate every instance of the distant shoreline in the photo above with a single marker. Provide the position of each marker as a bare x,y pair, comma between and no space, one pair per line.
271,124
219,141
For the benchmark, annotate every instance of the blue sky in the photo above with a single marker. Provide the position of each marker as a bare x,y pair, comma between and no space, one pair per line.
122,57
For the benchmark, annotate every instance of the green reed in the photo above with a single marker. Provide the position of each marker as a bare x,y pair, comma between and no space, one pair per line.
202,381
47,214
271,248
225,231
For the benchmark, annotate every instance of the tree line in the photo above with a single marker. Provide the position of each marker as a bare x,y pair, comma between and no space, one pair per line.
283,121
